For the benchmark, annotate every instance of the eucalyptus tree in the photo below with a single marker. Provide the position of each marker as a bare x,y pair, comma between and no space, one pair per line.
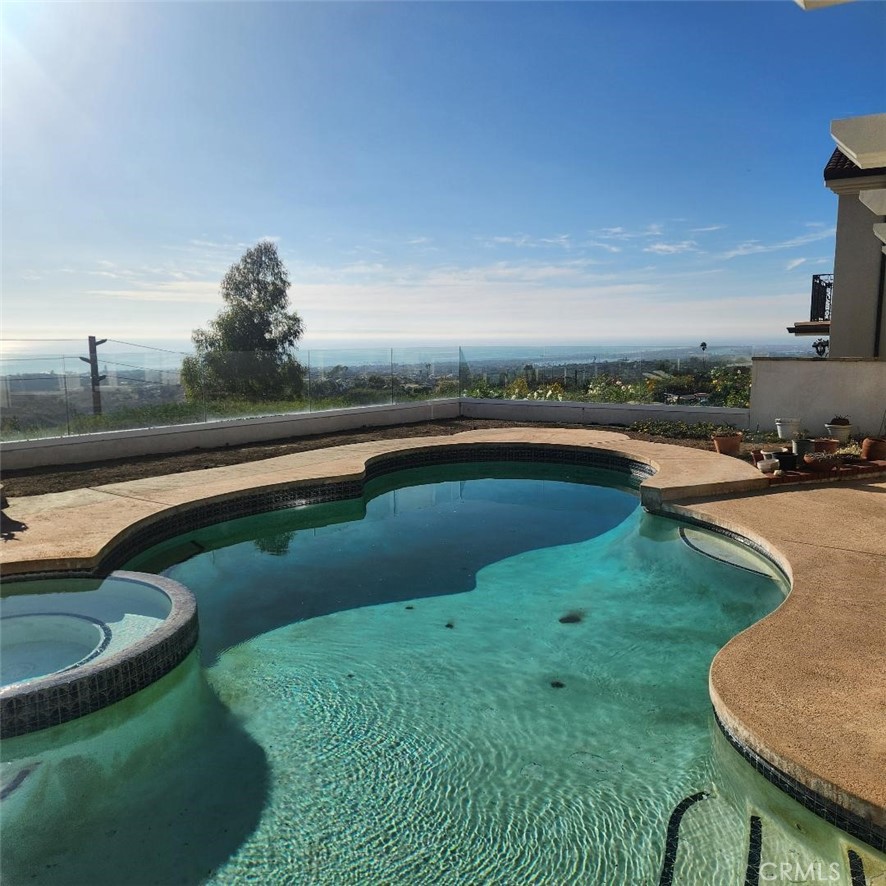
248,349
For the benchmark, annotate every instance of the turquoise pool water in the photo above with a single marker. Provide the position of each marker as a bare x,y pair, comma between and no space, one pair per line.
55,624
492,674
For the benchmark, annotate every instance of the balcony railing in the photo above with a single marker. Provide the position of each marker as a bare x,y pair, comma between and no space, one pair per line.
822,289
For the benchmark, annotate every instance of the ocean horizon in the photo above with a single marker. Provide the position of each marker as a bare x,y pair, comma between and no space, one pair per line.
63,356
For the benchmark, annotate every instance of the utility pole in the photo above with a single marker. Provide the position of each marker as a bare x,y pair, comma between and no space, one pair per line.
92,360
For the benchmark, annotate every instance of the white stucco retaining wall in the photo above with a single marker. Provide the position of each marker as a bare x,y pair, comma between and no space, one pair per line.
81,448
816,390
569,412
19,455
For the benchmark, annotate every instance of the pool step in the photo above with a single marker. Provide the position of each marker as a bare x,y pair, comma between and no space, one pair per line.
708,840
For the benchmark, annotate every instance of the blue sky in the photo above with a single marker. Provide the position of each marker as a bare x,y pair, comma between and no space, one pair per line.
534,172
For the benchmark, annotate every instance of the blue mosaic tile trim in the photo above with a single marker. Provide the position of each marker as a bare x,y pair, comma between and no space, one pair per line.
732,536
672,839
86,688
309,493
856,868
710,556
831,812
755,849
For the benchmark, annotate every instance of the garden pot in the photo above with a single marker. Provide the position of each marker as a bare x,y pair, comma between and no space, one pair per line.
826,444
787,428
801,447
730,445
768,464
820,465
839,432
874,448
787,461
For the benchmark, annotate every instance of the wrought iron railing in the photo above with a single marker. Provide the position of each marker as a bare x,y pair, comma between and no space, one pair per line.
822,289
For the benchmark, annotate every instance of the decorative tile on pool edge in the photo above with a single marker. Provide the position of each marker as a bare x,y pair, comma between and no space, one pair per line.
309,493
830,811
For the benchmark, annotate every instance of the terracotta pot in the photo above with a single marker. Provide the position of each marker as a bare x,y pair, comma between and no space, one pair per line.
826,444
820,464
730,445
874,448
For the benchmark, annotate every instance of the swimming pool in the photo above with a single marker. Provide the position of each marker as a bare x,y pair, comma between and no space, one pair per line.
490,673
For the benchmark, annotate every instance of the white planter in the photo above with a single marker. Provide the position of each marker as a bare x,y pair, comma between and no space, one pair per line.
788,428
840,432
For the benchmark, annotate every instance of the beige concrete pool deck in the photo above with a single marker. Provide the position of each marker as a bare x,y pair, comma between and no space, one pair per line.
805,688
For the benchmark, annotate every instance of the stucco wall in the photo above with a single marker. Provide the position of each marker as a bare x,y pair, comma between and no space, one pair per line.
856,282
181,438
599,413
815,390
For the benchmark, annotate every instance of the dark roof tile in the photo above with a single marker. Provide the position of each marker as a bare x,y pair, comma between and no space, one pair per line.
840,166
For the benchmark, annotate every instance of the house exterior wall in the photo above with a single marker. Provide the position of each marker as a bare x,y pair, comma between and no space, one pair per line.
816,390
857,281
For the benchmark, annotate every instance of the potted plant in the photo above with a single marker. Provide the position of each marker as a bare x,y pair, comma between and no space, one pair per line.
727,440
803,444
787,460
839,427
822,461
788,428
873,448
825,444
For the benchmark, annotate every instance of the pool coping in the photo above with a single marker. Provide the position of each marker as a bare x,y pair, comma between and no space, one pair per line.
725,494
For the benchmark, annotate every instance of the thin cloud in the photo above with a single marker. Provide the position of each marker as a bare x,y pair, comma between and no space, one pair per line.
672,248
654,229
706,229
597,244
755,247
563,240
525,241
794,263
169,291
520,240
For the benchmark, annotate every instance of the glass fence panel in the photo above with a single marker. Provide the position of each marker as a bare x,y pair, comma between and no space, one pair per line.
51,395
34,397
498,371
137,389
245,384
340,378
424,373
